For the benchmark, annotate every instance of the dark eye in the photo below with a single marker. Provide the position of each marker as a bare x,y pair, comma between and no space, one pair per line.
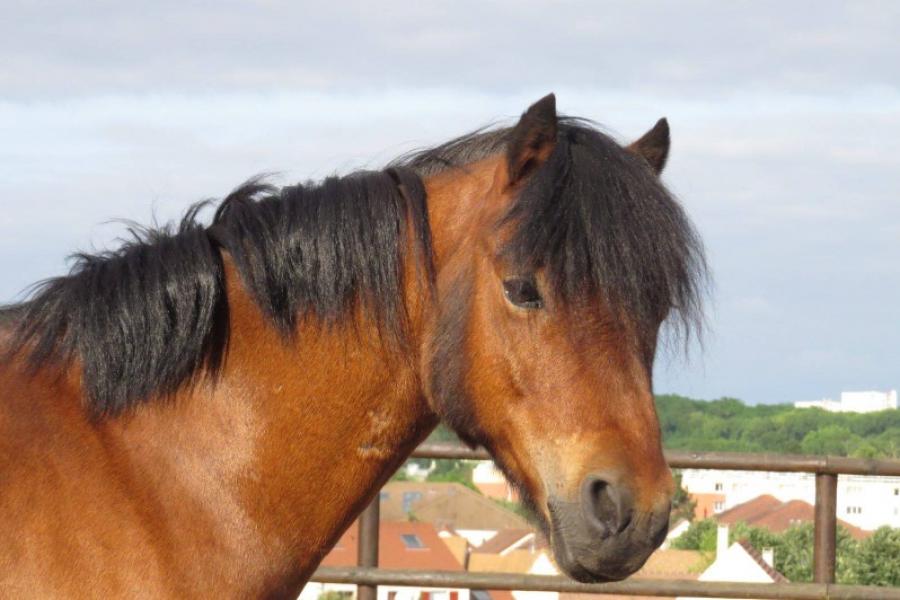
523,292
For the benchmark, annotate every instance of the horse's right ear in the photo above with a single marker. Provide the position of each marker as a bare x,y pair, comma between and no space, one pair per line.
653,146
532,139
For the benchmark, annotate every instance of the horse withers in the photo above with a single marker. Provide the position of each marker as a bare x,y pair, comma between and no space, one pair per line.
206,409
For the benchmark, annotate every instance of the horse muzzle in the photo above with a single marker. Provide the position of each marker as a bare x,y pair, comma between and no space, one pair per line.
601,536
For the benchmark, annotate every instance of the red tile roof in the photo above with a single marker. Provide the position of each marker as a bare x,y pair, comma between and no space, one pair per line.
503,540
447,505
393,552
749,511
776,516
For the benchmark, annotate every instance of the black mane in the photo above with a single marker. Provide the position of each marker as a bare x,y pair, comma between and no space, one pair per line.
146,318
599,222
143,319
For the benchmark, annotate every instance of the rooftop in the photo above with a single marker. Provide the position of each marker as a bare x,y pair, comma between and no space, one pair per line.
446,505
776,516
401,545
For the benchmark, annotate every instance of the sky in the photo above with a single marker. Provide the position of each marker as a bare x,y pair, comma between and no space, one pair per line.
785,125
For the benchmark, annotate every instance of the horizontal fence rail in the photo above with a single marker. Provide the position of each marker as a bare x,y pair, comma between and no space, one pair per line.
825,468
542,583
737,461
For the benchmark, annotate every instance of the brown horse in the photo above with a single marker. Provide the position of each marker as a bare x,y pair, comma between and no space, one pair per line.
202,412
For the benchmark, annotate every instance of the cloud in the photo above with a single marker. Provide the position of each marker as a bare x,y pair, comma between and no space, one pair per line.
703,46
785,117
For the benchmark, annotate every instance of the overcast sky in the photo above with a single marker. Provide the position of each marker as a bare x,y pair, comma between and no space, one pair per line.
785,120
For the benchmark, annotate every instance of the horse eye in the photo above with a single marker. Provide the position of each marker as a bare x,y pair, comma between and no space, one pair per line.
523,292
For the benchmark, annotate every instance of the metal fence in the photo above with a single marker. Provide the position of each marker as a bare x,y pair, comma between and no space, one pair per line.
826,469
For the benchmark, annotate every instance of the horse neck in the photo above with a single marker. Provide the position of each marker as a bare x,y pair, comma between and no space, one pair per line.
279,455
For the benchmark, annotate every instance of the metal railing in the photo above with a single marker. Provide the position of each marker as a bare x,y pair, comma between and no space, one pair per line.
826,469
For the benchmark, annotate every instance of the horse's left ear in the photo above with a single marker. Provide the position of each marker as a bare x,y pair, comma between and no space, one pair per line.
532,139
653,146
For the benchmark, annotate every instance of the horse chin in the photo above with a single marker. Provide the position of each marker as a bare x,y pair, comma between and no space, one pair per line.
587,558
571,566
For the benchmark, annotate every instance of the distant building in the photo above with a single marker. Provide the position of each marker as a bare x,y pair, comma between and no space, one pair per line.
662,564
537,562
707,504
740,563
402,545
509,540
450,506
770,513
866,502
527,552
418,470
491,482
856,402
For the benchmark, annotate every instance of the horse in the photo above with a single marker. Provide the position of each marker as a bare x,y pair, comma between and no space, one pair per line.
204,410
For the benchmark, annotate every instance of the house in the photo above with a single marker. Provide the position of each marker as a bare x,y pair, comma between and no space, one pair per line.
864,501
508,540
707,505
857,402
520,561
527,552
491,482
458,545
740,562
448,506
401,545
770,513
662,564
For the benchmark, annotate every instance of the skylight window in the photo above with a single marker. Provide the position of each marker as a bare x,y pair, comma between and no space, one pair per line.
412,541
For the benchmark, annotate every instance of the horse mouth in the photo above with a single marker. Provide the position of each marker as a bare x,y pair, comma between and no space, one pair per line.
589,557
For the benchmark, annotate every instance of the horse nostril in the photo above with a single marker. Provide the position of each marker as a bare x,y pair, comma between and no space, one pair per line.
608,507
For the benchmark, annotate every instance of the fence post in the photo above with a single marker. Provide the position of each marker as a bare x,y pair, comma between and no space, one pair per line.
825,528
367,550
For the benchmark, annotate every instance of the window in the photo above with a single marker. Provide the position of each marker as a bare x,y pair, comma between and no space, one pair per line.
854,510
897,491
412,541
384,495
409,498
718,487
718,505
342,594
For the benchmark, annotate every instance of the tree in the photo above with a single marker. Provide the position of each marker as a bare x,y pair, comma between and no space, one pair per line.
876,560
683,506
453,471
701,535
728,424
831,439
793,550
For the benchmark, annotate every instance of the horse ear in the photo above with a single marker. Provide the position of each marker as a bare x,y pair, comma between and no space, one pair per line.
532,139
654,146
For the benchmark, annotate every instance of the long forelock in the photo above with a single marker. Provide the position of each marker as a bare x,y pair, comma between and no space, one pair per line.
599,223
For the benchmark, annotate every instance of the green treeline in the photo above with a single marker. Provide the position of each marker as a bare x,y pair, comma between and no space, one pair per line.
863,562
730,425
